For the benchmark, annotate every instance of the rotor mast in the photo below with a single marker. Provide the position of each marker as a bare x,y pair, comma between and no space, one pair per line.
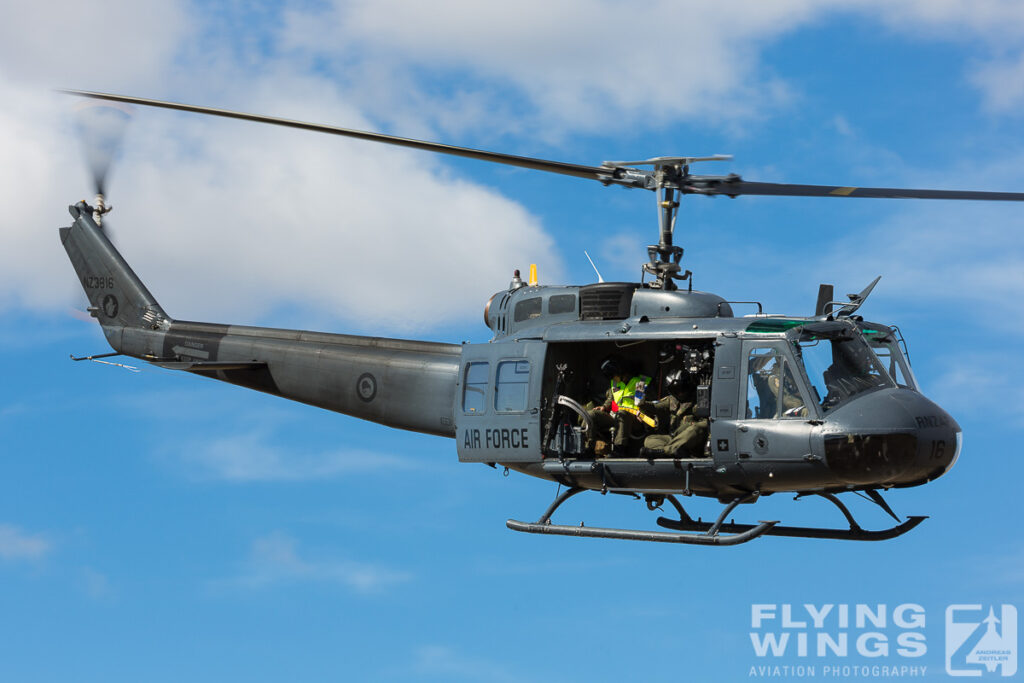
669,180
665,256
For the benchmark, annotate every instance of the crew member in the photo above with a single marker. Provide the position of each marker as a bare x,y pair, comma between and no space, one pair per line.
681,434
792,404
619,407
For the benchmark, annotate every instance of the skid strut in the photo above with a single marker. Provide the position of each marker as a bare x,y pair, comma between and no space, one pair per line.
854,533
711,534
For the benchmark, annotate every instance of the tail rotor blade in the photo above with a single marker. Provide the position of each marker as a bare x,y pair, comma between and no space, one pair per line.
101,128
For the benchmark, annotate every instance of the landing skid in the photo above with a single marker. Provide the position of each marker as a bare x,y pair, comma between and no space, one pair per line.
854,533
711,532
719,532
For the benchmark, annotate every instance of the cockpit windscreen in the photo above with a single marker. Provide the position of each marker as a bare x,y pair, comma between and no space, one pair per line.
840,367
886,345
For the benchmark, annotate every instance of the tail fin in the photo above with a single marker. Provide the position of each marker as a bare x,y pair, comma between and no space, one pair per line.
117,297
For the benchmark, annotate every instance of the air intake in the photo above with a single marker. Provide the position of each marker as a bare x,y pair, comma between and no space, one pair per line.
606,300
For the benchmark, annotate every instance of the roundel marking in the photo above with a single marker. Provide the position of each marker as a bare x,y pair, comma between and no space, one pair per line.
110,306
366,387
761,443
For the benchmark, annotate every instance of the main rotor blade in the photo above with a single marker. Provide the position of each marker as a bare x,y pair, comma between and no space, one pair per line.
731,185
736,187
599,173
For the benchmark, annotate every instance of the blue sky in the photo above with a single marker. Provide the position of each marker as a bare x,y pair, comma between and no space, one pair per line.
160,527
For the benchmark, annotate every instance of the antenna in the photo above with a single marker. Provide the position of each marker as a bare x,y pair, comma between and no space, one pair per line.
599,278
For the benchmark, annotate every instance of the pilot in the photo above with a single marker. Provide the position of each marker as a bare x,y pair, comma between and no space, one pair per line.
772,390
792,404
682,434
619,408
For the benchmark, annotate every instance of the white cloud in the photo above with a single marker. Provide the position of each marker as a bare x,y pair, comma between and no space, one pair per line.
997,26
962,260
842,126
1002,83
340,228
33,144
249,457
76,44
1006,568
17,544
586,65
997,21
14,410
96,584
620,255
450,664
977,385
230,221
939,258
287,220
274,559
576,64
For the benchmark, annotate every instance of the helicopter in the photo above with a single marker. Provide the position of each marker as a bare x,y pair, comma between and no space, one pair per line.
813,405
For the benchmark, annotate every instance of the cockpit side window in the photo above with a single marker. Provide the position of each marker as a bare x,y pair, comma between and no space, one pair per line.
763,365
772,390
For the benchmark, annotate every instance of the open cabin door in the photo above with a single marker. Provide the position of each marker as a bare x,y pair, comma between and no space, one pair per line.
497,402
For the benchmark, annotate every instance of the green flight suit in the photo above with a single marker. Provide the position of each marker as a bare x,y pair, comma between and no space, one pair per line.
682,433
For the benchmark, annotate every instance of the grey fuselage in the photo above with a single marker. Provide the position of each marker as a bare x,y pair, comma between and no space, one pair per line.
498,400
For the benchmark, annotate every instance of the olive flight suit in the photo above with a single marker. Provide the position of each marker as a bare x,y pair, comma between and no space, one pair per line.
682,433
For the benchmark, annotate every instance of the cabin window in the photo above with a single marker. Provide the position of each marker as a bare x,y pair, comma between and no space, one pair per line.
528,308
474,388
511,385
562,303
771,389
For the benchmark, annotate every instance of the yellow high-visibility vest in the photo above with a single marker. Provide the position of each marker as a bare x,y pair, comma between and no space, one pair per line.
624,395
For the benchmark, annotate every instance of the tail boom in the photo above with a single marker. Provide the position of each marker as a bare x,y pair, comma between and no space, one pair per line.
400,383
